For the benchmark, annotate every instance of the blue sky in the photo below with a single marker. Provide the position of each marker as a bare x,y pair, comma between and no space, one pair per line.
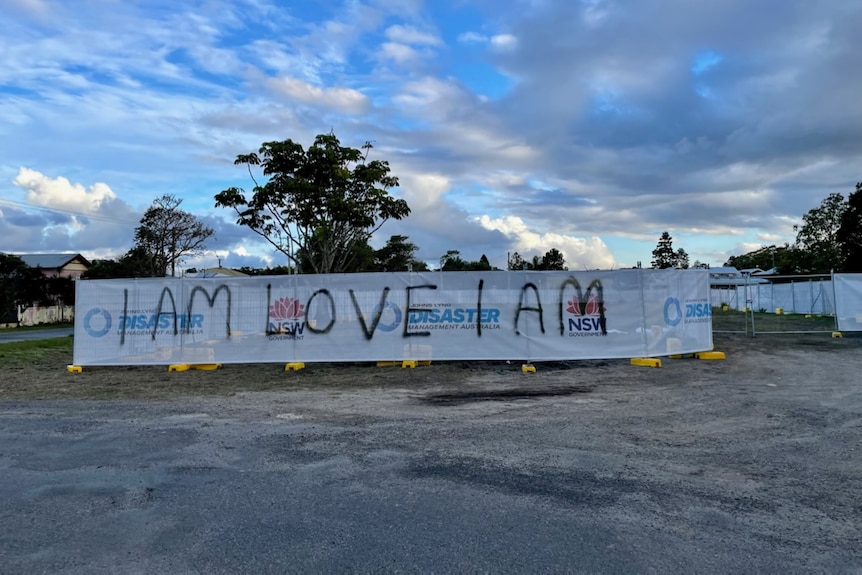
590,126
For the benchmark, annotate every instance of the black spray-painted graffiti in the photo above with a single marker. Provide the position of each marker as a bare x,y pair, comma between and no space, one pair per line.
157,320
582,299
528,291
594,288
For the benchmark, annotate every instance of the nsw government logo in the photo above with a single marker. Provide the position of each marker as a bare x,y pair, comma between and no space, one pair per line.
588,320
287,319
97,322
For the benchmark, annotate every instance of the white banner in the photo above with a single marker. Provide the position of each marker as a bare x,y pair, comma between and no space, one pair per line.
848,301
530,316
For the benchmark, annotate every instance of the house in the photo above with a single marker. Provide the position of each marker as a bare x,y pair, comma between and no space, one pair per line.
217,273
726,277
61,265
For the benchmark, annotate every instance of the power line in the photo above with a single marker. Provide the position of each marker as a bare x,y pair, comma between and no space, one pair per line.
98,217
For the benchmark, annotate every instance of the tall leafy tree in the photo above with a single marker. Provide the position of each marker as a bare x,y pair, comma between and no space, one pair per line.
135,263
681,259
321,201
452,261
360,259
19,284
516,262
663,256
399,254
781,258
553,260
482,264
167,234
849,234
817,236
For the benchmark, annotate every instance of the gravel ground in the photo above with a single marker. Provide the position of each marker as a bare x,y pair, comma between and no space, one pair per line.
751,464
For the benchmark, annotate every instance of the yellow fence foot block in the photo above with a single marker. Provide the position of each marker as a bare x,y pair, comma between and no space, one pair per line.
294,366
837,334
646,361
710,355
74,368
205,366
411,363
528,368
388,363
179,367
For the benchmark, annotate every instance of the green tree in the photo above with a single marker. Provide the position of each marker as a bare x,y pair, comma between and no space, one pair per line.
273,271
481,265
59,290
780,258
553,260
19,284
664,256
516,263
817,237
681,259
360,259
167,234
398,254
849,234
451,261
135,263
320,202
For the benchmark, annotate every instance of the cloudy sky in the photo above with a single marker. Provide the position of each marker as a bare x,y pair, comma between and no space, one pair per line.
590,126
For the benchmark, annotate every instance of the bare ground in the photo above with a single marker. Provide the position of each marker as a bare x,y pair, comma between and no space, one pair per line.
750,464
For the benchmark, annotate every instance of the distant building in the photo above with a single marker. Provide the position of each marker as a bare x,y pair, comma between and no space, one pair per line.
62,265
725,277
216,273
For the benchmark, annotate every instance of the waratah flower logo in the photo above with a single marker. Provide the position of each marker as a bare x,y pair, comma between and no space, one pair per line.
591,309
286,308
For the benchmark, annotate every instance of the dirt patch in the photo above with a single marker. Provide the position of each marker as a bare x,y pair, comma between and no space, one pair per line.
749,464
747,357
501,395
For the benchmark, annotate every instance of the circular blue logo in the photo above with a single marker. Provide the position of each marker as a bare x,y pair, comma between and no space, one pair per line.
672,312
103,325
389,320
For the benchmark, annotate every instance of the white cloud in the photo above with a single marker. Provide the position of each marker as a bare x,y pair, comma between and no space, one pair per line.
423,190
344,99
472,38
504,42
61,193
411,35
580,253
400,53
155,98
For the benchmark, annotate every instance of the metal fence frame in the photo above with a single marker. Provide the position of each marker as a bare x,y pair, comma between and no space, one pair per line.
750,295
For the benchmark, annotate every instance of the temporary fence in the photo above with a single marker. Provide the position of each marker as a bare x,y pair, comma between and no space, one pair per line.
393,316
848,301
790,304
808,294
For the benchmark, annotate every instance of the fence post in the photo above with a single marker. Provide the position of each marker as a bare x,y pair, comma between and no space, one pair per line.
834,299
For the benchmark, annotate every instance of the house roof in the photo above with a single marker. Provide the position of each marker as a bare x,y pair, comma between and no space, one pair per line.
730,276
218,272
51,261
724,271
